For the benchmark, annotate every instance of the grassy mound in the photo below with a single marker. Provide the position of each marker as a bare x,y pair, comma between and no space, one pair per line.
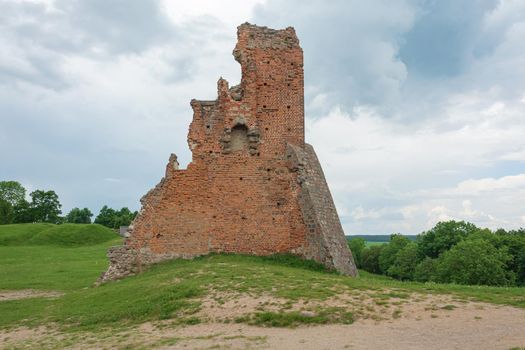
292,291
66,235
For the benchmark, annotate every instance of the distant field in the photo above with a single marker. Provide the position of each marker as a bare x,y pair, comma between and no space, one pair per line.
371,243
377,239
178,290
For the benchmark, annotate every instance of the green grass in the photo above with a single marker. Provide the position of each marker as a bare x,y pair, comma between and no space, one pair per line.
296,318
370,243
66,235
173,290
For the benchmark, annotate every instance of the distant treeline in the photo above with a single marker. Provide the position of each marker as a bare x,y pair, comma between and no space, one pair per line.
379,238
451,252
45,206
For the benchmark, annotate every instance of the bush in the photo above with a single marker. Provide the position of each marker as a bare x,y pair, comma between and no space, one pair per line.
405,263
475,262
370,258
357,245
388,253
442,237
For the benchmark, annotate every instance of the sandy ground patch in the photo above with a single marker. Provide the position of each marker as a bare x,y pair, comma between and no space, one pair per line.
419,322
27,293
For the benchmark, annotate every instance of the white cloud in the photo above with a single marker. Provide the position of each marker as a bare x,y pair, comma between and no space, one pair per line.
231,12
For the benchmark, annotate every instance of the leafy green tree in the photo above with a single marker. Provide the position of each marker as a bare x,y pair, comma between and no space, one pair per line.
388,253
405,263
356,245
6,212
476,262
370,258
425,270
125,217
514,242
23,213
115,218
79,216
442,237
12,192
45,206
106,217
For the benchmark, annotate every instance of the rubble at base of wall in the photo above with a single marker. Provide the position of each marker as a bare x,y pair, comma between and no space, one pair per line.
125,261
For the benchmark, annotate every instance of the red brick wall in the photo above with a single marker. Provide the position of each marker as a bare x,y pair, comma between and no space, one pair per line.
237,201
241,193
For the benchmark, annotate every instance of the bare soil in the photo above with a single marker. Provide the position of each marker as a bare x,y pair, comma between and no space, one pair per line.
416,322
27,293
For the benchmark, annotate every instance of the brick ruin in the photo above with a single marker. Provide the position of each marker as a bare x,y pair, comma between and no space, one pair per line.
253,186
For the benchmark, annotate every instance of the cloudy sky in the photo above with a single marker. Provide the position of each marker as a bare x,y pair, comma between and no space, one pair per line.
416,108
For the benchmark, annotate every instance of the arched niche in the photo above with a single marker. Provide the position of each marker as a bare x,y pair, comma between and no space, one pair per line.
239,138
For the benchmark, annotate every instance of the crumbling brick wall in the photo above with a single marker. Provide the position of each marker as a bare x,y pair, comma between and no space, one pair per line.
253,185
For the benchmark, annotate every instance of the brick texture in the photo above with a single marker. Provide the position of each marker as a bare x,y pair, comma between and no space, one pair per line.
253,185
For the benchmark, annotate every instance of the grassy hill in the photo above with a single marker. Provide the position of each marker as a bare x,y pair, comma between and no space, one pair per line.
66,235
179,290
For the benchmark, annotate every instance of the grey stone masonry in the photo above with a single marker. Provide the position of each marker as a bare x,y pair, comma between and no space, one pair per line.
327,243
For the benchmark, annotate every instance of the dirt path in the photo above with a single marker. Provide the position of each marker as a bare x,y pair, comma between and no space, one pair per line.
27,293
471,326
437,322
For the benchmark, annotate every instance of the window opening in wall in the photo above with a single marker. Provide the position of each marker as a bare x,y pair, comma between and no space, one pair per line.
239,138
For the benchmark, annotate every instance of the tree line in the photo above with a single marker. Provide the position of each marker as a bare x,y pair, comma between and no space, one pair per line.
45,206
451,252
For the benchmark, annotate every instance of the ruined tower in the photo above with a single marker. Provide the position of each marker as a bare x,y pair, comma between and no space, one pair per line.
253,186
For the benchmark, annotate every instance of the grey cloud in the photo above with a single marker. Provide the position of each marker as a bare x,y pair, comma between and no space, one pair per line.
444,37
350,46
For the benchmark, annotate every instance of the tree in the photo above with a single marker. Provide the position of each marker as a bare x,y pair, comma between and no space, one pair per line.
442,237
356,245
79,216
115,218
6,212
514,243
388,254
23,213
425,270
476,262
45,206
125,217
106,217
370,258
12,192
405,263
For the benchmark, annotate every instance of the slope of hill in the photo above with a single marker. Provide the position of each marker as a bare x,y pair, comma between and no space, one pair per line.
57,235
51,287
